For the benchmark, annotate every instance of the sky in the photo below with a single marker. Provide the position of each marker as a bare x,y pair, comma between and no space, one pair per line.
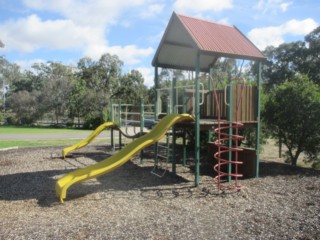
67,30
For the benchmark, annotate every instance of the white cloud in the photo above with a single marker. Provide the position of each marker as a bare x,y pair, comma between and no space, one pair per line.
275,35
77,25
94,13
272,6
27,64
152,10
186,6
31,33
148,75
130,54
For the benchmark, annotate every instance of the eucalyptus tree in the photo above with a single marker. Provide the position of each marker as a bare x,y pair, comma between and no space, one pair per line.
289,59
57,88
102,83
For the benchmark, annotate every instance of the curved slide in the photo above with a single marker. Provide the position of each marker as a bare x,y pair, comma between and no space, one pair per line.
121,157
87,140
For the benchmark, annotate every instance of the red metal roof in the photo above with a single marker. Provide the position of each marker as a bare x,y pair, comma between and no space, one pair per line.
219,38
185,37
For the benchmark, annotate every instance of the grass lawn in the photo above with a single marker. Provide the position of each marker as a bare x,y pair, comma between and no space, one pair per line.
26,130
42,143
39,143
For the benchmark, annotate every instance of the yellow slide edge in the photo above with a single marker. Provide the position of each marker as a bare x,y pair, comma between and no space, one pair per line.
120,157
87,140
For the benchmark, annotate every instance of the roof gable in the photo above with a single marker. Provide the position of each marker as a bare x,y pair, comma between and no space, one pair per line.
186,36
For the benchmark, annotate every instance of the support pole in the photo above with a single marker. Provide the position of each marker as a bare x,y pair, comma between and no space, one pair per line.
156,110
197,122
141,124
184,145
230,109
111,132
156,86
211,102
258,120
174,110
120,136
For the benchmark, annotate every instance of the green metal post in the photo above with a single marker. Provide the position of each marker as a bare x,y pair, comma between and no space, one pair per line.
141,124
210,87
111,132
174,110
156,86
230,127
258,120
120,136
197,122
156,110
184,145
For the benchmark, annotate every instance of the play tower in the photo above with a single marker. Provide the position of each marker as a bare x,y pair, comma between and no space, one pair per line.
196,45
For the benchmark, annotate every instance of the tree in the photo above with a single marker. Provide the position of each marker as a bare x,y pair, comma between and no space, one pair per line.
58,78
313,56
292,113
285,61
102,82
76,100
25,106
131,88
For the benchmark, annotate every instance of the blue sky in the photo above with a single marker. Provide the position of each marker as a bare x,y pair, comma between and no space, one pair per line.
67,30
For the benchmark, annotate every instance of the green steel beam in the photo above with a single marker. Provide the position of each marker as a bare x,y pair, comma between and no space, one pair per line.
258,120
197,122
184,145
156,110
174,110
141,124
120,139
230,126
156,86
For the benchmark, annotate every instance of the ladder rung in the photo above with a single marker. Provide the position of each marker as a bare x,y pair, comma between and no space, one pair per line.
165,157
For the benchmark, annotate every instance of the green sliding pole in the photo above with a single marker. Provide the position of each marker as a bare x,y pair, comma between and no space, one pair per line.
211,102
184,144
141,124
174,110
258,120
156,86
120,137
230,127
156,110
111,132
197,122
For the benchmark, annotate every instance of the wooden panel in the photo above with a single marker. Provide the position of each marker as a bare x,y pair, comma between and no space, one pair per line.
244,103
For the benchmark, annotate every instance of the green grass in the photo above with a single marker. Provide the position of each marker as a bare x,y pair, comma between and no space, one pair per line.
38,143
31,130
45,143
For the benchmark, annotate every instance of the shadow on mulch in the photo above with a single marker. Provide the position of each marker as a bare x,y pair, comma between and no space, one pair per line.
126,178
29,185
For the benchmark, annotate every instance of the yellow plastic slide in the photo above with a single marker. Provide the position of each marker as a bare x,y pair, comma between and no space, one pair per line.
87,140
120,157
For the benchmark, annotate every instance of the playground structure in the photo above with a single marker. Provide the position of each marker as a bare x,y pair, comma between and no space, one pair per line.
193,45
196,45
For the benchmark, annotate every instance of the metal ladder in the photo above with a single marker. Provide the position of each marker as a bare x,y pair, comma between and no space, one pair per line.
164,153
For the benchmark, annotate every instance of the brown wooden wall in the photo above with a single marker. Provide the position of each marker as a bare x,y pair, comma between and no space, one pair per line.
244,104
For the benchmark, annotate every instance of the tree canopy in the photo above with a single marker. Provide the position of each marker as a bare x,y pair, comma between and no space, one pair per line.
64,93
292,114
289,59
